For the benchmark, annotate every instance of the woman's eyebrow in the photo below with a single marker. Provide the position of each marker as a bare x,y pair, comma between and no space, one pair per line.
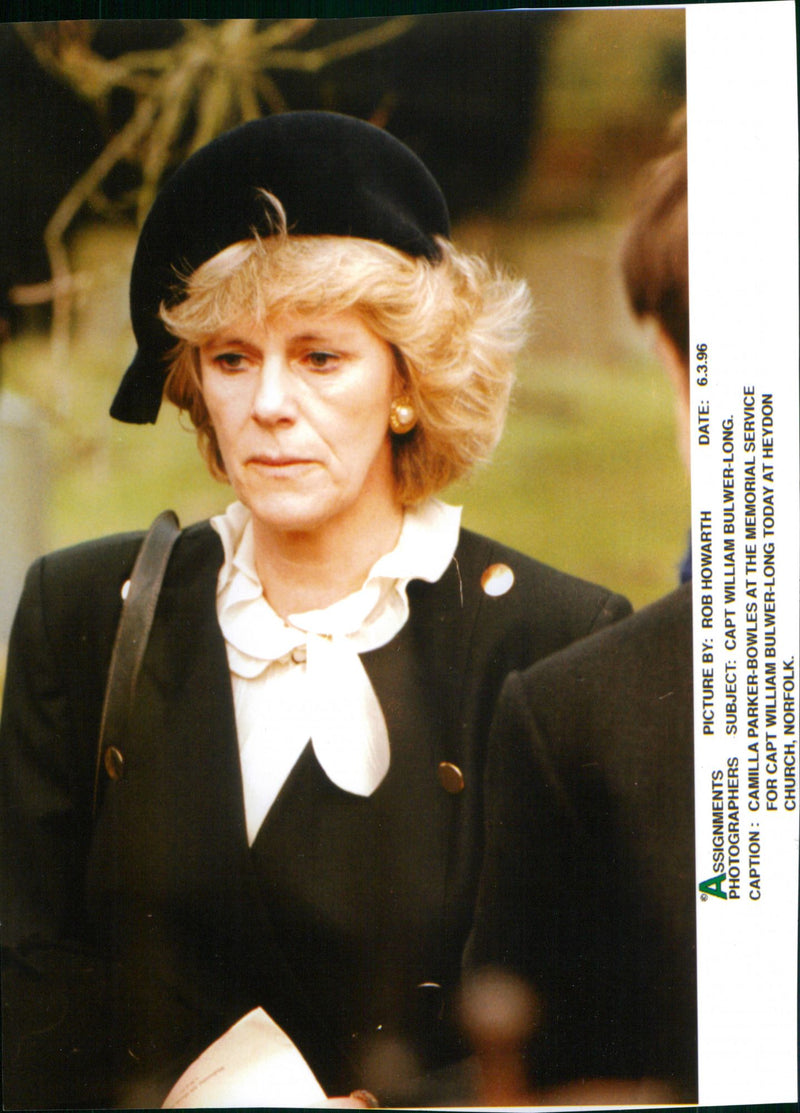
311,334
223,340
336,336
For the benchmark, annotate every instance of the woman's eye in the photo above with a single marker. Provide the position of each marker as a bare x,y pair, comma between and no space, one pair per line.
322,361
230,361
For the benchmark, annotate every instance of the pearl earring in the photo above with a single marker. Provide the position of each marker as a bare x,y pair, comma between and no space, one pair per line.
402,415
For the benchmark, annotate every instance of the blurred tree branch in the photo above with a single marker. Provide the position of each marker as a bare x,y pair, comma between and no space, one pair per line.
216,75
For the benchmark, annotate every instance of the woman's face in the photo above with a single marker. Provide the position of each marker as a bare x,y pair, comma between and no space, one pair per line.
300,407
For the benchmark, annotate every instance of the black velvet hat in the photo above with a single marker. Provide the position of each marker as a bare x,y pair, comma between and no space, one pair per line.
334,175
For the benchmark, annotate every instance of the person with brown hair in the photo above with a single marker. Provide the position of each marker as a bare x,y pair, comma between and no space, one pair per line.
655,266
588,887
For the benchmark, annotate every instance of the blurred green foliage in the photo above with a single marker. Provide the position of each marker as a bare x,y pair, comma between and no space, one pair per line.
588,476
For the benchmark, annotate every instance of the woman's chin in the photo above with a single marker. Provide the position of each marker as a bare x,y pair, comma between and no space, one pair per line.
287,515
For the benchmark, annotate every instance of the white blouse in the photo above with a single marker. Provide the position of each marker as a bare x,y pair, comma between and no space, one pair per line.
302,679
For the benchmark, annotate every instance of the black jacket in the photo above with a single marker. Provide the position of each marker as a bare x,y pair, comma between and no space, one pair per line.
588,889
133,942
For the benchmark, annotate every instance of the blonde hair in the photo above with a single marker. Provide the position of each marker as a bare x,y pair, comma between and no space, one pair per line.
455,326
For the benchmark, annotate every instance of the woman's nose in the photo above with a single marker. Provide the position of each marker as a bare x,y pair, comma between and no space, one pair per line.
274,399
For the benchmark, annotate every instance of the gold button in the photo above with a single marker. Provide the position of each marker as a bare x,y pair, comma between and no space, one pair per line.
125,589
114,763
497,579
450,777
299,654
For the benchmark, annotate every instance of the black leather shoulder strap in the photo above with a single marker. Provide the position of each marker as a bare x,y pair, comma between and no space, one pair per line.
133,631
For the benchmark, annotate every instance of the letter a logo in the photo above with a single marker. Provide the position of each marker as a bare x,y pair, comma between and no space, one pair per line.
713,887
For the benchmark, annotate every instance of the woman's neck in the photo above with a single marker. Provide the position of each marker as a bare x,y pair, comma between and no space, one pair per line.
305,571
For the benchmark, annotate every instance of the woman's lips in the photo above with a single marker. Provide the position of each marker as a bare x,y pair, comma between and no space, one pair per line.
279,462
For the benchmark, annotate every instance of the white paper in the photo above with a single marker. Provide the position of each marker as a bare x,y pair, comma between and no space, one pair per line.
254,1064
743,240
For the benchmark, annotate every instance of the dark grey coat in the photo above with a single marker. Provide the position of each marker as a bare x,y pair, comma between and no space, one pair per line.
588,888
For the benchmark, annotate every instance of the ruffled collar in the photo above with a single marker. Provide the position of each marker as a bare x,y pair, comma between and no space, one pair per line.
368,618
344,720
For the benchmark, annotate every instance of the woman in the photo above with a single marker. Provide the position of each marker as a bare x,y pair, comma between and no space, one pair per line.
298,826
